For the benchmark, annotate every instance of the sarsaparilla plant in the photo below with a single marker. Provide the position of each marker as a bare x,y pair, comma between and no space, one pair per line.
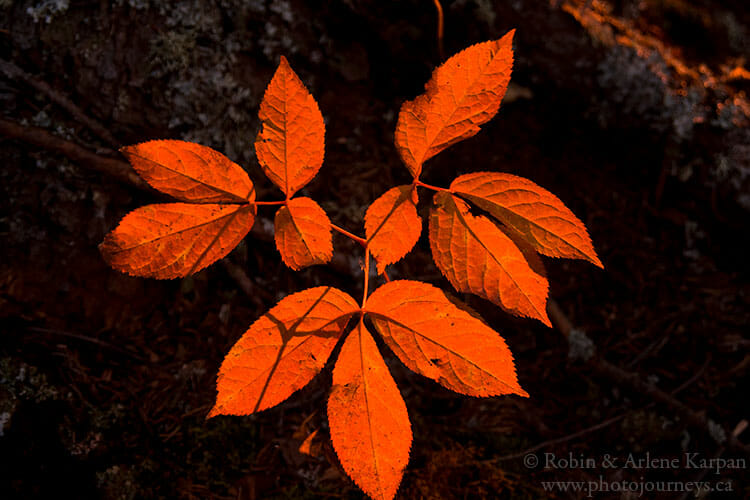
492,254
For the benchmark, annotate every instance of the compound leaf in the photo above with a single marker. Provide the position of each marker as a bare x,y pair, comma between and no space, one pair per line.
536,214
369,424
303,233
172,240
290,146
190,172
438,337
464,93
392,225
282,351
477,257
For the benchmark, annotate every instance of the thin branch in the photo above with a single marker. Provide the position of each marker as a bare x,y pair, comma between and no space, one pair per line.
600,425
13,71
258,295
439,9
40,137
85,338
635,383
563,439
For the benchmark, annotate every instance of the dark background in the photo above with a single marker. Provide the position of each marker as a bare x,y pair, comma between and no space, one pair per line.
634,113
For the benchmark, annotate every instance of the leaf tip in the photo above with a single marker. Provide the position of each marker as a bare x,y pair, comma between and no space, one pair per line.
214,412
596,261
544,318
522,393
380,265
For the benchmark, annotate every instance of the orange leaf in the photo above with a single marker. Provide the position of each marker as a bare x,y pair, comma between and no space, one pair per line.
531,256
190,172
303,233
464,93
392,225
282,351
437,336
306,448
290,147
370,428
477,257
535,213
171,240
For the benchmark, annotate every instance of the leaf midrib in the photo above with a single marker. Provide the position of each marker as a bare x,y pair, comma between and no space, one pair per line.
458,103
417,333
495,258
288,353
202,224
367,404
472,198
239,199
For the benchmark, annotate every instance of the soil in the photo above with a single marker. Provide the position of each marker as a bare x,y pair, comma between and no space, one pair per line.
634,113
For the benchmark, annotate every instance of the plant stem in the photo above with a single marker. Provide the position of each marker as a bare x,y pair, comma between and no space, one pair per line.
417,182
439,9
282,202
367,277
346,233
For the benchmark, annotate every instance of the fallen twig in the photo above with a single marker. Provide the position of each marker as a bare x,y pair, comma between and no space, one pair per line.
13,71
86,338
563,439
596,427
632,381
255,293
40,137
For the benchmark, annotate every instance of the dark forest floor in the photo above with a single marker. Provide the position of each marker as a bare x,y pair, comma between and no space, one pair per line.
634,113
